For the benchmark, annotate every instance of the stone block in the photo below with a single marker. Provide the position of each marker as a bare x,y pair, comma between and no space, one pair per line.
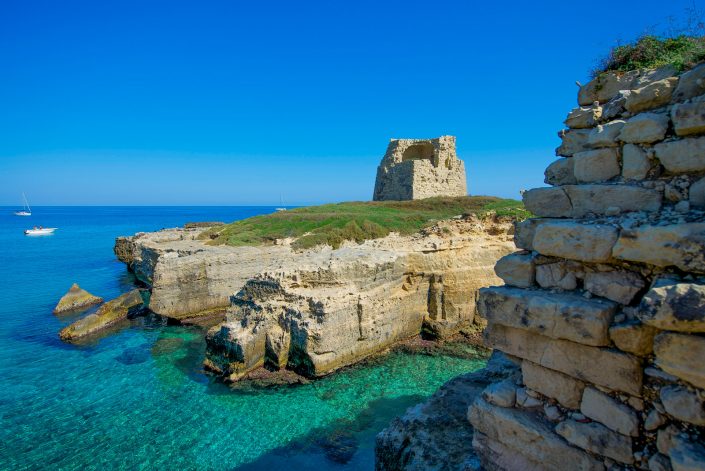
697,194
603,367
557,315
682,356
684,405
687,455
597,439
682,156
617,285
560,172
556,275
634,337
597,199
525,434
653,95
596,165
583,117
564,389
525,230
605,135
610,412
664,439
501,393
635,163
607,86
689,118
680,245
567,239
548,202
674,305
645,128
516,269
691,84
572,141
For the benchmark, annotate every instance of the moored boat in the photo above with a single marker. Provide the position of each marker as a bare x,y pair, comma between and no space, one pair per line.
26,210
40,231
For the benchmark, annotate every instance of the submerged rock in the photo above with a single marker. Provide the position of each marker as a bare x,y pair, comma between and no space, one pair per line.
123,307
436,434
76,298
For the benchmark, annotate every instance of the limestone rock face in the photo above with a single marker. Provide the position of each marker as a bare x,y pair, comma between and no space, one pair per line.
119,309
420,168
75,299
330,308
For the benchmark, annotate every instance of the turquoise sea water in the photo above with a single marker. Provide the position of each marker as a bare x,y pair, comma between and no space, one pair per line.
139,399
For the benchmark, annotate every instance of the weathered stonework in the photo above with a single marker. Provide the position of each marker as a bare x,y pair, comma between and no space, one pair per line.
414,169
610,326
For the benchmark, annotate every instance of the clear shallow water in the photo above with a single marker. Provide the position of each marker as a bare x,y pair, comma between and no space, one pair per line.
139,399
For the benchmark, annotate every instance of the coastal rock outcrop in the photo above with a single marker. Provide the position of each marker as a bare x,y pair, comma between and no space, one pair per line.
317,310
420,168
76,298
612,373
111,313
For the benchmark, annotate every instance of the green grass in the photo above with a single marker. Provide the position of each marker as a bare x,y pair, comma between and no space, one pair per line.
359,221
648,52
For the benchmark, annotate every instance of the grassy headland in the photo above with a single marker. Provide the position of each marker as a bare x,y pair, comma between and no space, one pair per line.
359,221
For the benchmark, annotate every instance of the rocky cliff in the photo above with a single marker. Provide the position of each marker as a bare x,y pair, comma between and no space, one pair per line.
604,305
317,310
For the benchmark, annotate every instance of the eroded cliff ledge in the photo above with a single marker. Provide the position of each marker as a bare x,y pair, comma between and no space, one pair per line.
317,310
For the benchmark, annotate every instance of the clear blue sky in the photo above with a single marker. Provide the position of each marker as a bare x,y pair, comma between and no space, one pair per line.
227,102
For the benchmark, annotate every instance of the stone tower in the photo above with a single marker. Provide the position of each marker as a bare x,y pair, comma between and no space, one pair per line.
413,169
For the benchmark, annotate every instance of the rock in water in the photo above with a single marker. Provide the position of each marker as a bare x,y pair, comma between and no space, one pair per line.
76,298
121,308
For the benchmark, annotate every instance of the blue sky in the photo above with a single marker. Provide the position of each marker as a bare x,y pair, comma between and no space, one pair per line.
227,102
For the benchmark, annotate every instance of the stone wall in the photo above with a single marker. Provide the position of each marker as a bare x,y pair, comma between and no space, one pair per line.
604,305
420,168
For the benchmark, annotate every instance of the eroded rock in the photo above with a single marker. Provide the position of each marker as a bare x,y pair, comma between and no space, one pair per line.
76,298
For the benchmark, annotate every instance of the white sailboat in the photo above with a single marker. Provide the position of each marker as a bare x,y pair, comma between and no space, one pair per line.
40,231
26,210
281,204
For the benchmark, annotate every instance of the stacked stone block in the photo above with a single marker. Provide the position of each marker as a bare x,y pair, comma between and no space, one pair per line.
603,307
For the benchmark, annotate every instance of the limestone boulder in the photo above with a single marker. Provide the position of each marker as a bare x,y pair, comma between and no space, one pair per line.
634,337
525,231
573,141
598,439
596,165
603,367
566,390
556,275
516,269
501,393
689,118
607,86
560,172
548,202
587,243
597,199
681,355
75,299
674,305
605,135
557,315
683,404
681,156
653,95
583,117
679,245
523,435
691,84
123,307
635,163
610,412
645,128
617,285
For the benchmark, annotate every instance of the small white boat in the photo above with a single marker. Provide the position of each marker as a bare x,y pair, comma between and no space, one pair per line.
40,231
280,209
26,210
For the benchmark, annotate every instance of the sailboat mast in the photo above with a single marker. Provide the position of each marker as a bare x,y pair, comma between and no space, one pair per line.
26,204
